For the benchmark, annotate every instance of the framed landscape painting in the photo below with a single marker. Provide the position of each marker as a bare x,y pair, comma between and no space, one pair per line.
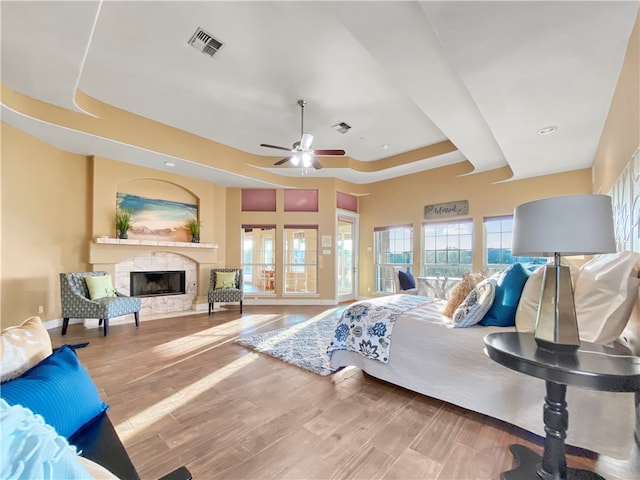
156,219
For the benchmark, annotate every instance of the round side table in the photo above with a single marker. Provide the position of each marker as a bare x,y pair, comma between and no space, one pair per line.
592,366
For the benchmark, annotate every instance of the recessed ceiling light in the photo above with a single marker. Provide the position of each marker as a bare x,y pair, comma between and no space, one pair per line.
384,146
170,164
547,130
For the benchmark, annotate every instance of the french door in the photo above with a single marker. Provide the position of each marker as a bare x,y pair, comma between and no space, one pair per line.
346,256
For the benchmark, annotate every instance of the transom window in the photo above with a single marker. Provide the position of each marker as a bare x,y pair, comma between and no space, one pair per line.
448,248
393,247
498,237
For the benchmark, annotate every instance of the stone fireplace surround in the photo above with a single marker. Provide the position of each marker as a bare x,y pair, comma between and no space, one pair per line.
159,261
120,257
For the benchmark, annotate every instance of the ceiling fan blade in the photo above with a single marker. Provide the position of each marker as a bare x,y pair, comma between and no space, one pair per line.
328,152
284,160
275,146
305,141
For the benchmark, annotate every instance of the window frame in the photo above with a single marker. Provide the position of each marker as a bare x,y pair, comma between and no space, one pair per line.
447,268
491,268
384,271
255,279
299,270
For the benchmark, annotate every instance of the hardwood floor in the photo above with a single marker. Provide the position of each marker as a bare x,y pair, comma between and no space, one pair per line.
182,392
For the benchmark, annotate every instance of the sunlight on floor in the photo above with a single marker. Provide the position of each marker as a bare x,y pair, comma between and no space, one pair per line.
293,330
204,338
153,413
188,346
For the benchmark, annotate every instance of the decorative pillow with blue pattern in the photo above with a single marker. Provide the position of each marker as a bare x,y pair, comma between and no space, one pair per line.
476,305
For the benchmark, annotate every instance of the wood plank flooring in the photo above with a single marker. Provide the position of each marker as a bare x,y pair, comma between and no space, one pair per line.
182,392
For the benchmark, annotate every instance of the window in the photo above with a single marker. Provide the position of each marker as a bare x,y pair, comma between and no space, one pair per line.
393,247
258,259
448,248
498,237
300,258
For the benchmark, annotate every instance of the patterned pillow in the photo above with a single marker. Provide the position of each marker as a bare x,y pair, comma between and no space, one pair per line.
476,305
461,290
23,347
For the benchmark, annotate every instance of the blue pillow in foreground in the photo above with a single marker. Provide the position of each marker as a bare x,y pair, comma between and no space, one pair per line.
407,281
508,291
58,388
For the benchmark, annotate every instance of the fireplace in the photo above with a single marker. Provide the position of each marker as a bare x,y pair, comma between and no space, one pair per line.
157,283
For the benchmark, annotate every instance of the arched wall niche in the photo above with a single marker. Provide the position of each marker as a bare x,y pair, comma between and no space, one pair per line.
158,189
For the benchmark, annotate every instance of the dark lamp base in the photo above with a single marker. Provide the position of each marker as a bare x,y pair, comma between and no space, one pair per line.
557,347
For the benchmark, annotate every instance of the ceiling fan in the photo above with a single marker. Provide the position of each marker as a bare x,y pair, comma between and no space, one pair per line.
301,152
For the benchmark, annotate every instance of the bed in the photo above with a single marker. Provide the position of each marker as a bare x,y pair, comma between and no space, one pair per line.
427,356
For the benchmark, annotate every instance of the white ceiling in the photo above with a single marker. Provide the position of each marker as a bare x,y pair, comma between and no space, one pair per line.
485,75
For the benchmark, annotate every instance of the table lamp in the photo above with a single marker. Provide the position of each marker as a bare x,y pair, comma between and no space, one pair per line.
566,225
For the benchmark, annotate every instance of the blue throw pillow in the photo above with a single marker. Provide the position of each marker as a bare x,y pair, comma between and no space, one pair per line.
58,388
508,291
407,281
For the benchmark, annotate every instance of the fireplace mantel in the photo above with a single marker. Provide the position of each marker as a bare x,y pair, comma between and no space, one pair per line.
154,243
115,250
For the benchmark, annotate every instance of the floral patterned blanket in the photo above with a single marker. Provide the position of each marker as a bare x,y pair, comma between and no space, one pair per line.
365,327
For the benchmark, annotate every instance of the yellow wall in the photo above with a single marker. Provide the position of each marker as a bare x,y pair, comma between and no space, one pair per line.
55,203
46,217
621,135
401,201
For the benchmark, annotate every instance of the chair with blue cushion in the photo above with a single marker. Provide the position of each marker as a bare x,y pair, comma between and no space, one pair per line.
77,303
226,285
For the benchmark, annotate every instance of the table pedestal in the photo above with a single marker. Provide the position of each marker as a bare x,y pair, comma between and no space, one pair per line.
553,463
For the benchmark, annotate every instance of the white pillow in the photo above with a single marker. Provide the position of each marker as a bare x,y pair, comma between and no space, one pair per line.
606,291
475,305
31,448
527,310
23,347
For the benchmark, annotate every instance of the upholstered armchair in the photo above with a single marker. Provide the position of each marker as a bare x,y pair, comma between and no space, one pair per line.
77,303
226,285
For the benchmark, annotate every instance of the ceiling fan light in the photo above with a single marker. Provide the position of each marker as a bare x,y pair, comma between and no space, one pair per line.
306,160
305,142
295,159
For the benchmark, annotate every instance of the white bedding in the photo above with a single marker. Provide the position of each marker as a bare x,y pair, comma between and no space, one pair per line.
430,358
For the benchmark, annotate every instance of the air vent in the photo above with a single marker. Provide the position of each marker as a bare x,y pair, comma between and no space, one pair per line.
205,42
341,127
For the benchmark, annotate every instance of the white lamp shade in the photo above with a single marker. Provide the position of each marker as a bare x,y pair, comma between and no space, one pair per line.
569,225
